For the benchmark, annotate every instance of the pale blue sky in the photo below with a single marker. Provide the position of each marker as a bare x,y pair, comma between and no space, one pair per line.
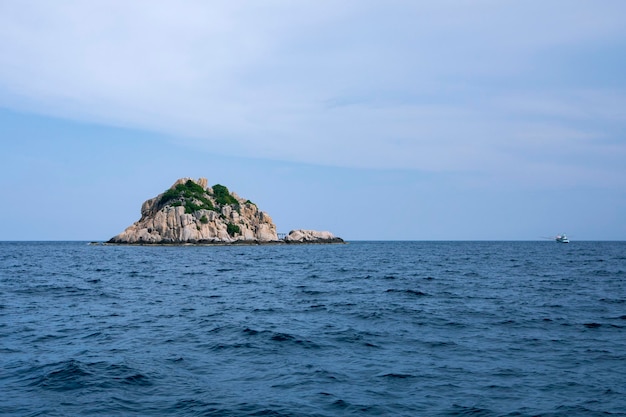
460,120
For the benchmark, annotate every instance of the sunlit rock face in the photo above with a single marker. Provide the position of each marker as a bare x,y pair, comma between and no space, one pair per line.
191,212
311,236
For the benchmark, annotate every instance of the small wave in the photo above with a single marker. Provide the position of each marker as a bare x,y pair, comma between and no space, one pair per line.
394,375
95,334
193,273
357,409
118,374
73,374
268,412
201,408
459,410
312,292
197,408
282,337
440,343
228,346
137,379
65,376
370,315
54,290
613,301
264,310
48,337
250,331
408,291
341,404
287,338
575,410
325,375
601,273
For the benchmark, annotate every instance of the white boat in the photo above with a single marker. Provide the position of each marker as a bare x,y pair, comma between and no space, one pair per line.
562,238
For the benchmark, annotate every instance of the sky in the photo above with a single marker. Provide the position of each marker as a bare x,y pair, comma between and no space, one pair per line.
375,120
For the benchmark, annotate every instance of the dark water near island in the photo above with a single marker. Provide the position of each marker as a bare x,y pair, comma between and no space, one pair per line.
368,328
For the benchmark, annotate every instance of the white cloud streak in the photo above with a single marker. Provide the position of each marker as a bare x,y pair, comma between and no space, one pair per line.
445,86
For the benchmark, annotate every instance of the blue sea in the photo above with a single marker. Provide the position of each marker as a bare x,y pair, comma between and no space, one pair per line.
363,329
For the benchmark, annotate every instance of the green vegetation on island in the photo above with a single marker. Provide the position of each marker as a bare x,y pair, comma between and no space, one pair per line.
193,197
232,229
190,195
222,195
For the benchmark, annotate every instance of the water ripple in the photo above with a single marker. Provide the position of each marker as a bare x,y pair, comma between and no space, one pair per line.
369,328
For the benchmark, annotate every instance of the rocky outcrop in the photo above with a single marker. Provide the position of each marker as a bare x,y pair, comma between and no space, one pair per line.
191,212
311,236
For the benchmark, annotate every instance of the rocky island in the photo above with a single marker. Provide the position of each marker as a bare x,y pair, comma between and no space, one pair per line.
191,212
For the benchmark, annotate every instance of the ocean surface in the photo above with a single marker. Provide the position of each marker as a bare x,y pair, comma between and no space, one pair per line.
364,329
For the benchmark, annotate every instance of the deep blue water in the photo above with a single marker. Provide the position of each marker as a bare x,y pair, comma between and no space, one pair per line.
368,328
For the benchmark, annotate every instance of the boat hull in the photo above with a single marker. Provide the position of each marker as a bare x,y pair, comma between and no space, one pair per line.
562,239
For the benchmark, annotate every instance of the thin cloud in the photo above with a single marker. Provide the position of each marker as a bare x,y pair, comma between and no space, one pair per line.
445,86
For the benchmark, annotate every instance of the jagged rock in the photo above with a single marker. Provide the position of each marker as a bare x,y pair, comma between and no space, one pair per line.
311,236
191,212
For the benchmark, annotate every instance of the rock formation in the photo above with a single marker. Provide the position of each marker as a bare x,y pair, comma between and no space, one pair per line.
311,236
191,212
